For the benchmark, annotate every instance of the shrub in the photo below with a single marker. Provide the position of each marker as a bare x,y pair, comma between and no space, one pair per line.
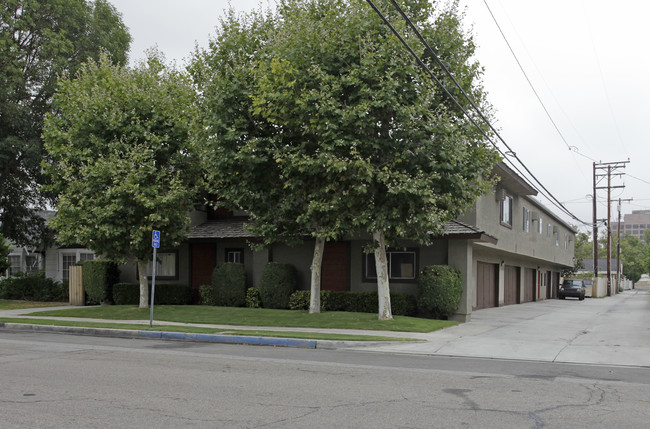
229,285
166,294
402,304
99,276
439,290
126,294
253,299
277,284
205,294
299,300
33,287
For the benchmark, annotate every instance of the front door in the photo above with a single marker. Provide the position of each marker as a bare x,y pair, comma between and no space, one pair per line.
204,259
335,271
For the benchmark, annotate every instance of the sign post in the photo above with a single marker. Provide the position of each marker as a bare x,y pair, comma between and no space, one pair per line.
155,243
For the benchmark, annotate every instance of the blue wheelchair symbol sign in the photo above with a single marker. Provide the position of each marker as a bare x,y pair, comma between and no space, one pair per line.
155,239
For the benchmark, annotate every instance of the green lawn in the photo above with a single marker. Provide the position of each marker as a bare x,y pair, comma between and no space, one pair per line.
200,330
254,317
8,304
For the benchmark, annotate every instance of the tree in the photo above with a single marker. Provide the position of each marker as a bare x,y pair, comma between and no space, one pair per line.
4,255
633,257
40,40
122,159
355,136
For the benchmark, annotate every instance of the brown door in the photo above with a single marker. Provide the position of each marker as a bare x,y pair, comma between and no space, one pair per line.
511,285
204,259
335,272
529,284
486,285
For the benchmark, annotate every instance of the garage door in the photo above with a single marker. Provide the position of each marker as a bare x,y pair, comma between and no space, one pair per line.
486,285
511,285
529,284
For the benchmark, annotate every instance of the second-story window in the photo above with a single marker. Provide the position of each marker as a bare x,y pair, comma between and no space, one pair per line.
526,220
540,226
506,211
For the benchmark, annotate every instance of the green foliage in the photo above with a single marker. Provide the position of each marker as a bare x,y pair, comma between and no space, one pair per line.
323,99
4,254
403,304
41,40
277,284
439,290
33,287
634,256
205,294
253,298
122,158
228,285
99,276
166,294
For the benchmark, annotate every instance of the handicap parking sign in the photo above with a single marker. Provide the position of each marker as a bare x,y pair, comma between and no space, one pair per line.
155,239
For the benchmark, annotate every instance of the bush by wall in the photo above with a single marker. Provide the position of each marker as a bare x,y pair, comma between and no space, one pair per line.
33,287
228,285
205,294
277,284
253,299
99,276
439,290
402,304
166,294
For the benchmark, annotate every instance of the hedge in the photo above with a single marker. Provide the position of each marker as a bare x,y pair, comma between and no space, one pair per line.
33,287
99,276
402,304
228,285
439,291
277,283
166,294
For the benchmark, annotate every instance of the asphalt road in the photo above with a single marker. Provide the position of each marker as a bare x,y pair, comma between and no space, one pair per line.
55,380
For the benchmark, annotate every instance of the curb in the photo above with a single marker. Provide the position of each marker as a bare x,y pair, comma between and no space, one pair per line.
165,335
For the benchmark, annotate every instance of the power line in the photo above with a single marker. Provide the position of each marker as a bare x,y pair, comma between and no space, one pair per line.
510,152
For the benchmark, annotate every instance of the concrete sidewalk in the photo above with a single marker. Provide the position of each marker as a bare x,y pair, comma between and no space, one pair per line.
608,331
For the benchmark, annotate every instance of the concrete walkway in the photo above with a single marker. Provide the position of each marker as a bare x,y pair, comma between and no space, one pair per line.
609,331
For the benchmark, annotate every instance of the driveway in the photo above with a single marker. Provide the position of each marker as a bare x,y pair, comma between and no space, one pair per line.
609,331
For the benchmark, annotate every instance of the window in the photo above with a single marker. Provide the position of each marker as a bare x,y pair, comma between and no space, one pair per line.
166,263
14,261
32,264
556,235
86,256
402,265
68,260
566,241
540,226
526,220
235,255
548,229
506,211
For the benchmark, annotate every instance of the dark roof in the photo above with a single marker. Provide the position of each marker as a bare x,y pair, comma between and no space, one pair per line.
234,228
602,264
231,228
459,230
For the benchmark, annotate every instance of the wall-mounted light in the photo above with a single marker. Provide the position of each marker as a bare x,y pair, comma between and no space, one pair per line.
503,262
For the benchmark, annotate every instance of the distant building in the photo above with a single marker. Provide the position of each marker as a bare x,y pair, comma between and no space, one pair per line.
634,224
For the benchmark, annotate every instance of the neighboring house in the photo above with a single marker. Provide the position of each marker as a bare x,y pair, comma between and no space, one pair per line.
55,260
509,248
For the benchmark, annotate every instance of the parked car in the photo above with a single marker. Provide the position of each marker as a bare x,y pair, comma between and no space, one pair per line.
572,287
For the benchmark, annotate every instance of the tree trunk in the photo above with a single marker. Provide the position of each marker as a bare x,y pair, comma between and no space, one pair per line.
316,265
383,288
144,283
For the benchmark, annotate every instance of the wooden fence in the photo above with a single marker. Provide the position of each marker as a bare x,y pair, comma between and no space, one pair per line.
76,286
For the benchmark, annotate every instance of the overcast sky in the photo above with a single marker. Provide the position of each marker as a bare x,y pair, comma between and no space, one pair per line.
587,59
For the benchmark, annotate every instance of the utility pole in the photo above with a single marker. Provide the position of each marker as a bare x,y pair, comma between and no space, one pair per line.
611,168
618,244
